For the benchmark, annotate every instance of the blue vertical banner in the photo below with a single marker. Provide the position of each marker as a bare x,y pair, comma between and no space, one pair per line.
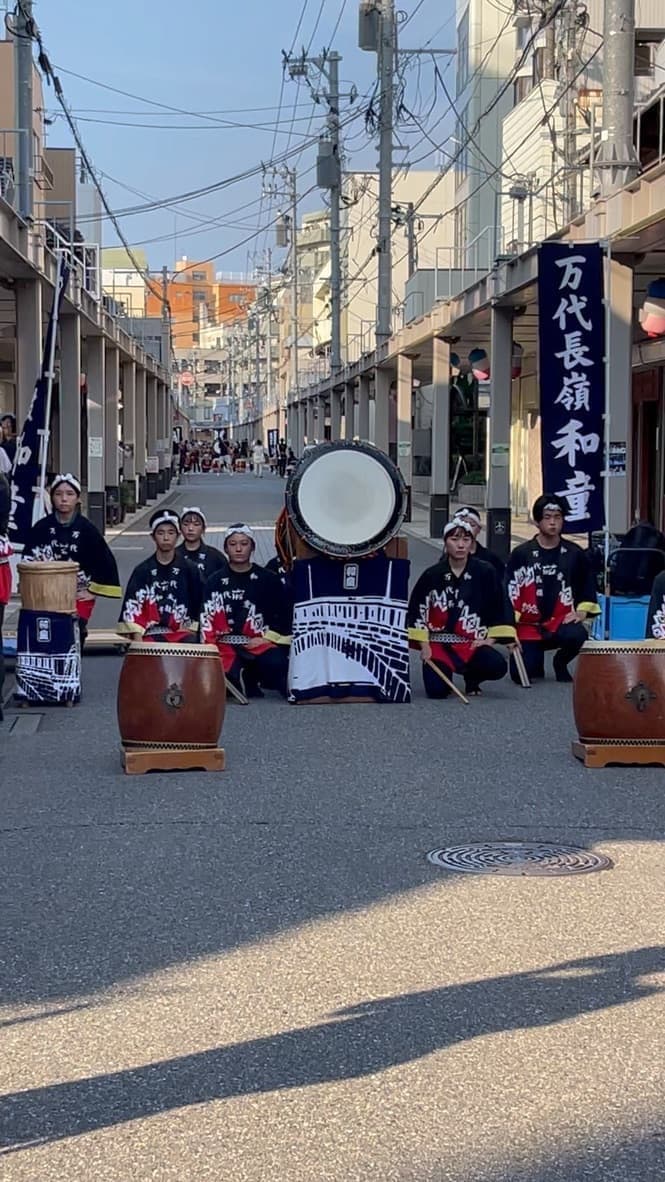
27,503
572,379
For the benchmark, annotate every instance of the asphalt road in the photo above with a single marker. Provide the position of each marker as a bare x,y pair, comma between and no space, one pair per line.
258,974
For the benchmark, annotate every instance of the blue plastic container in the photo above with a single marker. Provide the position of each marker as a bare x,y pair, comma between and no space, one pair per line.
622,617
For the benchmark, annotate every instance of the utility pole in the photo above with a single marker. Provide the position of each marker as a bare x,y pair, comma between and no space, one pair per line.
386,74
617,157
329,176
569,45
24,106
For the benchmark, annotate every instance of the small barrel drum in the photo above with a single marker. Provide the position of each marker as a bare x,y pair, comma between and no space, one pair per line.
346,500
619,692
48,586
171,695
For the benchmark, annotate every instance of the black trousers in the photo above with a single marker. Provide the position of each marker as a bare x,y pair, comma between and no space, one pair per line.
281,465
486,664
566,643
268,670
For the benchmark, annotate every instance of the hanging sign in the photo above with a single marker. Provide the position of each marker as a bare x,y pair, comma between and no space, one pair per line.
572,379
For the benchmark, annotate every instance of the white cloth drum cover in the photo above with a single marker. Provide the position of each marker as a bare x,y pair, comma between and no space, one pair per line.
346,499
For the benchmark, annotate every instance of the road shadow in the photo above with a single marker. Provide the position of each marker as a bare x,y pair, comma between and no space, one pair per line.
356,1042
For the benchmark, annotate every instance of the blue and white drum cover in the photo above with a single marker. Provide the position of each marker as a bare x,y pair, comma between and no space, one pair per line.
48,658
349,636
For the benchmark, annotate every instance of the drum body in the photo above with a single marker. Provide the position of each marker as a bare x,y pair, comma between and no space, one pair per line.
346,500
171,695
48,586
619,692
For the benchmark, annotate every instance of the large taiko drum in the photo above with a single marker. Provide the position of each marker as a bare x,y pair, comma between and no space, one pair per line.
346,499
48,586
619,692
171,695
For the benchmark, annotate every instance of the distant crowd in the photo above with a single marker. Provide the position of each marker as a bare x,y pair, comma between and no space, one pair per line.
239,456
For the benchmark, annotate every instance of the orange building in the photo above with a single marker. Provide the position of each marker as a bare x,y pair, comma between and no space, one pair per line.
196,297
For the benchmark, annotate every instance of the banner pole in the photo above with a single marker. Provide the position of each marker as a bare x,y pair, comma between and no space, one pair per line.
607,415
38,508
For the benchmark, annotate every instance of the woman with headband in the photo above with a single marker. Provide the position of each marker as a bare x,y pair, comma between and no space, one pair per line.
457,613
552,591
246,613
163,597
65,535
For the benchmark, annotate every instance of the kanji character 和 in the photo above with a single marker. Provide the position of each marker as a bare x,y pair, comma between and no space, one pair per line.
569,440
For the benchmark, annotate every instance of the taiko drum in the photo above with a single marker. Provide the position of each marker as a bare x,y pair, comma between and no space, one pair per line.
171,695
48,586
619,692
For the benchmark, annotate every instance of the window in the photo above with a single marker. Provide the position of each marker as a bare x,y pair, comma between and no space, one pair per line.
643,62
199,295
522,86
463,52
460,236
539,64
523,33
460,149
198,277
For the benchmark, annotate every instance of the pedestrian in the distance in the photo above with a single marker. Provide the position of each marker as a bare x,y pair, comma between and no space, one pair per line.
258,459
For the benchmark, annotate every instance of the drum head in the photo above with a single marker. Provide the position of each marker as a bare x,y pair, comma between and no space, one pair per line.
346,499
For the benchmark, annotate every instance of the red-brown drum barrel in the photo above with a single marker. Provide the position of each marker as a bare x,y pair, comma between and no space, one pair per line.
619,692
171,695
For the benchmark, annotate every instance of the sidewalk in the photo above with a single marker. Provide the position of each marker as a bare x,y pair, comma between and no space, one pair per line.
418,527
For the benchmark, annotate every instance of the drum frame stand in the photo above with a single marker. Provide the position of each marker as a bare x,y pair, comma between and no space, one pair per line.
603,754
136,761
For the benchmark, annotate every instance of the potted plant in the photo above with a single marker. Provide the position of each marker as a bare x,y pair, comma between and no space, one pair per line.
472,488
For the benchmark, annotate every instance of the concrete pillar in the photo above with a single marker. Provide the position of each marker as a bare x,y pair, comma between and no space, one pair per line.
69,403
498,493
404,424
161,453
362,417
152,477
129,418
96,383
336,413
29,344
382,380
619,290
439,506
350,410
140,434
111,421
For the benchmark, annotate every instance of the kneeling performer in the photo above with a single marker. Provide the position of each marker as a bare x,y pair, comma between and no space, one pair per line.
163,597
246,613
457,613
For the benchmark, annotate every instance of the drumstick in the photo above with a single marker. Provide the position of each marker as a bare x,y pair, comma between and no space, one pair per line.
521,669
462,697
235,693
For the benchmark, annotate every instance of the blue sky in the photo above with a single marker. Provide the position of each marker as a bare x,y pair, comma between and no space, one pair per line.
221,58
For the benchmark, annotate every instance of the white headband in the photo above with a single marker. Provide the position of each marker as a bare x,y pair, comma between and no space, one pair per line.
246,530
463,514
457,523
198,513
165,517
67,478
551,505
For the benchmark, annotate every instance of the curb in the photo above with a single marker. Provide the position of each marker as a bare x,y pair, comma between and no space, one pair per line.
111,535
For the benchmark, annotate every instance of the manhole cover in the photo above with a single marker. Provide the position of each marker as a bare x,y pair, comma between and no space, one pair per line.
22,725
532,859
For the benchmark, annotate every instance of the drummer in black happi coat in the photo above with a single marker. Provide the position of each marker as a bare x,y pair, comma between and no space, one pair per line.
208,559
471,515
458,611
163,597
247,614
65,535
